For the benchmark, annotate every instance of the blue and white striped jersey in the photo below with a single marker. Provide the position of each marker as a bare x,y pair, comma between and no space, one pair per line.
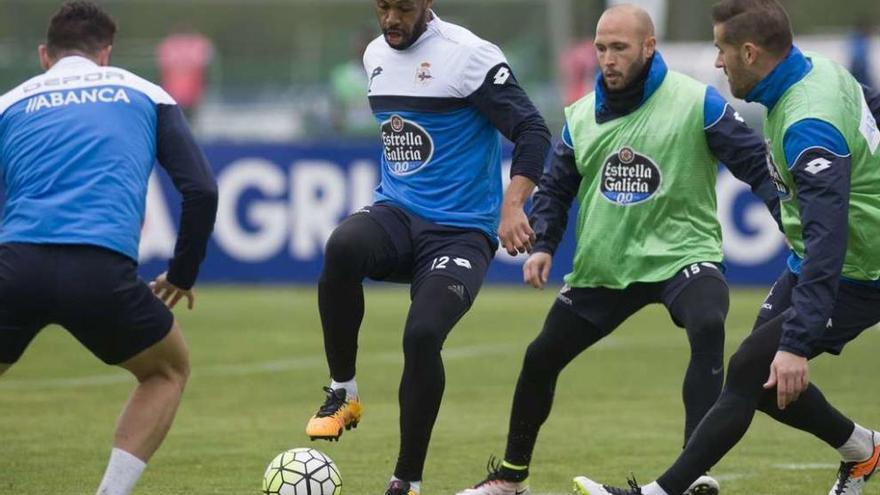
441,104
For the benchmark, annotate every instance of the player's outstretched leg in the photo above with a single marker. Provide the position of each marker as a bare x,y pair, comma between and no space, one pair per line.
162,371
564,336
858,446
730,417
358,248
854,474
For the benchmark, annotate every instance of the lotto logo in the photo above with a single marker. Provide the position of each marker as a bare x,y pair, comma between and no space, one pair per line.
462,263
502,76
818,165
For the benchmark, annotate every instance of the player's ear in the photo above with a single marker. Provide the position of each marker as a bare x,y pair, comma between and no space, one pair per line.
46,60
104,56
749,53
650,46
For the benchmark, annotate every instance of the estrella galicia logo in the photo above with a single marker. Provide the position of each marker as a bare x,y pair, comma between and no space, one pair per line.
781,189
407,146
629,177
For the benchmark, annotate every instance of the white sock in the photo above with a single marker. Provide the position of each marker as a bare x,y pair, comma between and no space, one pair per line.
123,472
416,486
859,447
653,489
351,388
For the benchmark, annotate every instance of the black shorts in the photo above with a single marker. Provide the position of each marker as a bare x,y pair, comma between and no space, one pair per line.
608,308
426,249
93,292
856,309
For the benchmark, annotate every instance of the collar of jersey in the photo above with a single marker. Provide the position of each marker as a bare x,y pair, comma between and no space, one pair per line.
786,74
656,75
71,61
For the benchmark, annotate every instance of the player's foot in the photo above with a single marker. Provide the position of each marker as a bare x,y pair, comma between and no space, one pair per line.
586,486
337,414
397,487
495,484
852,476
705,485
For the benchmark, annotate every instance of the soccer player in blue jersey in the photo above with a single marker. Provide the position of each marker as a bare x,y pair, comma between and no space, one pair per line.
443,97
77,146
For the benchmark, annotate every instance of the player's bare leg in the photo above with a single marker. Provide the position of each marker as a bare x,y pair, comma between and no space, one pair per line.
162,371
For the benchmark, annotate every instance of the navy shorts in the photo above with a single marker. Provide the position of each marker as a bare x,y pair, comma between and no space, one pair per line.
608,308
856,309
92,292
427,249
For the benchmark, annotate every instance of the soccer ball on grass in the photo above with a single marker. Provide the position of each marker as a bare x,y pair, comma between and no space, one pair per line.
302,472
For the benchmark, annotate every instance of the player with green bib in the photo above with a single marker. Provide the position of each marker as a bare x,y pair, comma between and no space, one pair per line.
641,156
822,131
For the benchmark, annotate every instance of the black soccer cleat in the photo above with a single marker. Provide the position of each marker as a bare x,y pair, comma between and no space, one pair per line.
398,487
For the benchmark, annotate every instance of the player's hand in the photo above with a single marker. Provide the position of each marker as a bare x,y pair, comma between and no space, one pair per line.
536,270
169,293
790,374
515,232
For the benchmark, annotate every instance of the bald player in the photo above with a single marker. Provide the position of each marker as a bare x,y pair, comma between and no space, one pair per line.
641,153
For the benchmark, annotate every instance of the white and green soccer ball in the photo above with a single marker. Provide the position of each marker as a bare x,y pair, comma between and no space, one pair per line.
302,472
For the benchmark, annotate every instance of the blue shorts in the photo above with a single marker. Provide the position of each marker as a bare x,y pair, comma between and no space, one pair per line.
856,309
92,292
427,249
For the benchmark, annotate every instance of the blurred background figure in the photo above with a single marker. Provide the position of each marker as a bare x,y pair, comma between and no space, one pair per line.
350,109
860,64
183,58
577,67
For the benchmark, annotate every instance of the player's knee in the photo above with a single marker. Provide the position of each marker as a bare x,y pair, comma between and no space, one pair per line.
343,254
746,366
422,339
540,360
706,331
167,361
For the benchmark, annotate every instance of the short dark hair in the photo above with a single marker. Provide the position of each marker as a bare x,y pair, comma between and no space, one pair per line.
763,22
80,25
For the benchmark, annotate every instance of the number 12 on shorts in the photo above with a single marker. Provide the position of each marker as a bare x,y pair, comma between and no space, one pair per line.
439,263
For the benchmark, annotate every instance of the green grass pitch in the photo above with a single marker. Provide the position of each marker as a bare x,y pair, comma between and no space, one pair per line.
258,368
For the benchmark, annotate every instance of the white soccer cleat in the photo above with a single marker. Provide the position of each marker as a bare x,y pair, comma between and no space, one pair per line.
705,485
497,487
853,476
495,484
586,486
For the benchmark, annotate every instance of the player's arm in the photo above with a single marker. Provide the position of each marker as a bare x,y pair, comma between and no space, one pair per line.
494,91
740,148
549,215
820,163
179,154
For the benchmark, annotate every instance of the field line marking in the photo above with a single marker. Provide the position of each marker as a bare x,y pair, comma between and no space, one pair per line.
247,369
